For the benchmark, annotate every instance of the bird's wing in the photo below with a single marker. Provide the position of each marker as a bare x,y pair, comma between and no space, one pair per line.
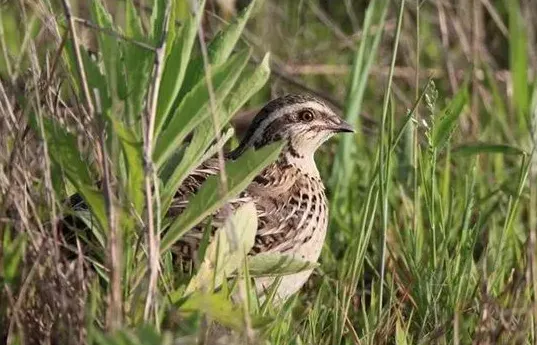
269,190
280,204
189,243
284,218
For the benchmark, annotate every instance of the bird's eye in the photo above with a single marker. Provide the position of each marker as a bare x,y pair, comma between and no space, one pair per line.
306,116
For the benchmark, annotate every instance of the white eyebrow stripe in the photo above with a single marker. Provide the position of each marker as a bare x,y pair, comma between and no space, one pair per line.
285,110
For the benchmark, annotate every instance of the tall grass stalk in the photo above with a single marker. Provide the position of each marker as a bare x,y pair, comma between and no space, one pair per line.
363,61
151,183
385,156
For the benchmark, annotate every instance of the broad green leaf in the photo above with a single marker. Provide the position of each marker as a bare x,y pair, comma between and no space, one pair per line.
216,305
132,151
138,64
174,70
209,198
195,107
11,256
183,9
150,335
212,151
63,151
223,44
96,82
227,252
121,75
274,264
133,24
157,20
108,45
172,29
90,223
94,199
136,67
479,147
219,49
444,126
400,334
141,335
68,57
250,82
518,60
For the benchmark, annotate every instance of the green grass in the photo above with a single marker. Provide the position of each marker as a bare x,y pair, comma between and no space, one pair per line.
433,204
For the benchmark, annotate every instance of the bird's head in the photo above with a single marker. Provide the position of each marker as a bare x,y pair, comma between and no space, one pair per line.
305,122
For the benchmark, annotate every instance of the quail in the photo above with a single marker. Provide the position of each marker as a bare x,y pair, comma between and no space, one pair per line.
289,194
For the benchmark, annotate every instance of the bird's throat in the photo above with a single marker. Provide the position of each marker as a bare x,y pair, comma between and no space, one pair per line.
304,163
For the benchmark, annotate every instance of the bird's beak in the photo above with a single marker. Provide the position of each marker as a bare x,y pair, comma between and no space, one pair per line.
343,127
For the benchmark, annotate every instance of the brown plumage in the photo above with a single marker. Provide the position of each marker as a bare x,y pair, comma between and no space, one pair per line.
289,194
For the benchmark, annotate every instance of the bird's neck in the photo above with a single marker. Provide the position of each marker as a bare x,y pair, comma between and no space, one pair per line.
304,162
290,154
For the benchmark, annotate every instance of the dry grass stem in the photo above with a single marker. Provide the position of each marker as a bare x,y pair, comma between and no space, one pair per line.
79,63
150,178
113,33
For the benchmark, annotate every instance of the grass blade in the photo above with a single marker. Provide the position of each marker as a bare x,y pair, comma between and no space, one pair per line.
518,61
274,264
479,148
360,73
108,45
444,127
174,71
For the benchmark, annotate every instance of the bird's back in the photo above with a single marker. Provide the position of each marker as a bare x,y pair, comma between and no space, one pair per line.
291,208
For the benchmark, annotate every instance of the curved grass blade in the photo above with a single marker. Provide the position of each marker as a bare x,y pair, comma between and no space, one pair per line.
174,71
108,44
274,264
444,127
518,61
479,148
132,151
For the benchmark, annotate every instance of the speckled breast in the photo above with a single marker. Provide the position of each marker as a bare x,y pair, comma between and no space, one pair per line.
298,224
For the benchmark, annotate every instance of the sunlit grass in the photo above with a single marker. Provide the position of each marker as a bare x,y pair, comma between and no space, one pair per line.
433,226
